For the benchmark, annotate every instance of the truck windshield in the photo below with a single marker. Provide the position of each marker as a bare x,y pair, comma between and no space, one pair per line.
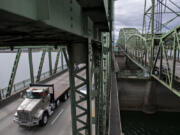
33,95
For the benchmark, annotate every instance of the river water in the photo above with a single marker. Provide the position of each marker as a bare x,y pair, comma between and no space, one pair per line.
161,123
7,61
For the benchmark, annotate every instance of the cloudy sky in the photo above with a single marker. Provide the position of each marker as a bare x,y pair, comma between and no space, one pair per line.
128,13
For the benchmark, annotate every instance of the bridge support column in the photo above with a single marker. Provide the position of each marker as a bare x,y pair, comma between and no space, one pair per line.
31,65
150,98
80,68
98,55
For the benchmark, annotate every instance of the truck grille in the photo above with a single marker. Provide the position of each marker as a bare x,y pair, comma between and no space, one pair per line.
24,116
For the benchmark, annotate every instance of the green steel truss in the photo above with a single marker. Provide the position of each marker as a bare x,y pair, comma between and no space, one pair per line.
156,50
164,66
41,65
31,70
13,73
62,59
81,107
104,91
57,61
50,61
97,74
31,65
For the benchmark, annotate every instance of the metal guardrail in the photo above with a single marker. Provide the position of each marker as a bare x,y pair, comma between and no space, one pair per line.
25,83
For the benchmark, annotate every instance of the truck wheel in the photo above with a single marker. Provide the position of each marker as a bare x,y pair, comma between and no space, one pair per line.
57,102
44,120
65,97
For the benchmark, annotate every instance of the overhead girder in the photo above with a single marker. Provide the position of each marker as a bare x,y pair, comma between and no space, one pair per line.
39,22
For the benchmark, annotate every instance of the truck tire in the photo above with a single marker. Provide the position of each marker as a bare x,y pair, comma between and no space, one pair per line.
44,119
65,97
57,103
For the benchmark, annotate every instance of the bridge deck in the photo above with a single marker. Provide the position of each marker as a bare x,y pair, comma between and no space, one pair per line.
64,120
58,124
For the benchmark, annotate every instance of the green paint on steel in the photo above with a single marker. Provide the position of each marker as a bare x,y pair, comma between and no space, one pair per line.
50,61
65,56
57,61
89,86
62,59
81,107
41,65
31,65
13,73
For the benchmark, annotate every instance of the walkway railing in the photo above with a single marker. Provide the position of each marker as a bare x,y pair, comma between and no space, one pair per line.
25,83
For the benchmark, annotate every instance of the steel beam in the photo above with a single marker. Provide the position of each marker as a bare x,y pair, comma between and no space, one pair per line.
13,73
174,60
97,83
81,107
41,65
62,59
31,65
50,61
65,56
57,61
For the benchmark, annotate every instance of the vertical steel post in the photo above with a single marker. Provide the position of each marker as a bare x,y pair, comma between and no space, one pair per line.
89,86
50,61
65,56
73,98
103,91
161,60
13,73
80,107
152,31
174,60
97,82
144,18
41,65
57,61
31,65
62,59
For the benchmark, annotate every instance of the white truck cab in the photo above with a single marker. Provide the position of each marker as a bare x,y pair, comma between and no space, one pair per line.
36,107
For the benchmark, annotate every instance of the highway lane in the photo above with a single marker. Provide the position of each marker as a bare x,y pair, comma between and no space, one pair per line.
59,123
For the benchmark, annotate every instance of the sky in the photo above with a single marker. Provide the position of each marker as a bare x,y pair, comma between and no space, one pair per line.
128,13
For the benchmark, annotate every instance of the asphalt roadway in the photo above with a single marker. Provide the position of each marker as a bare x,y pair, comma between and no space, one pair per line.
58,124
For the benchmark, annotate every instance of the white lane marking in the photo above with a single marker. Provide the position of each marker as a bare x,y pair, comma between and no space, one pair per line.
57,116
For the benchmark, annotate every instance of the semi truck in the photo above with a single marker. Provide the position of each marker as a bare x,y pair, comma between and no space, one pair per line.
39,103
